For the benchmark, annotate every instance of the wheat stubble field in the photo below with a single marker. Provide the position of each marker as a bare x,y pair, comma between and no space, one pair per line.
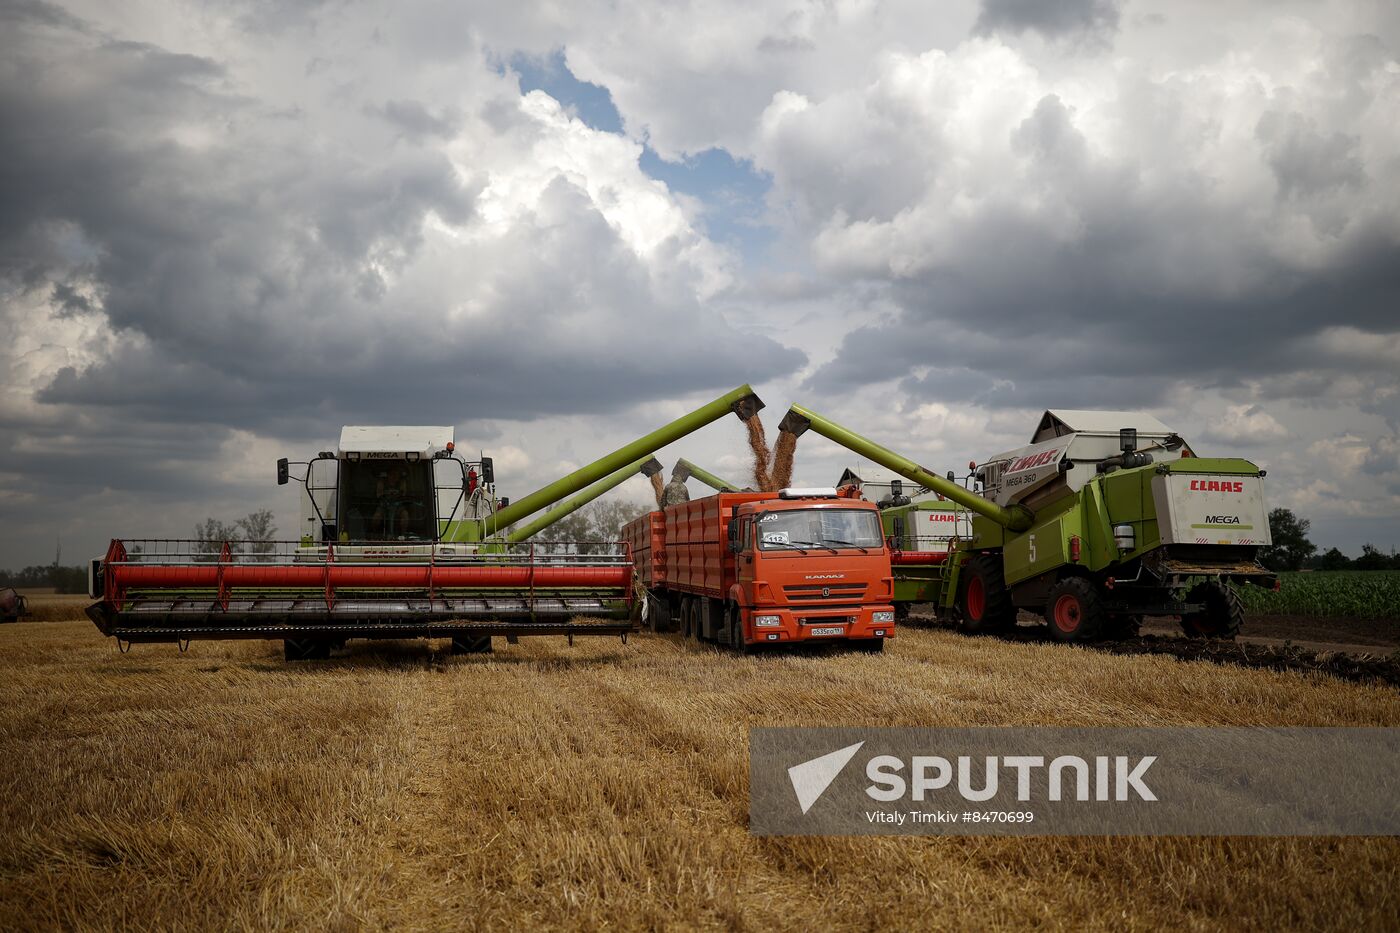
601,786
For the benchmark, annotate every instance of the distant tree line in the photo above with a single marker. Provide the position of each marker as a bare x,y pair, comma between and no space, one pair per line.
592,529
253,534
1292,550
60,579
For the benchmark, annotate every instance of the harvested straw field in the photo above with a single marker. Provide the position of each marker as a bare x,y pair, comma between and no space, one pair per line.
602,785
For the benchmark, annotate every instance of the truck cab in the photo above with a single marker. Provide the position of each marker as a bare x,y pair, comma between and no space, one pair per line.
811,565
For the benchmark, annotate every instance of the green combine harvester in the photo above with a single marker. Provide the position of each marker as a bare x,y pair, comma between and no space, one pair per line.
1103,519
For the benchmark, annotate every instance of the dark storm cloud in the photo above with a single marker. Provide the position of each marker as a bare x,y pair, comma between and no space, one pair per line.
1017,332
1071,278
1304,161
1051,18
210,261
256,286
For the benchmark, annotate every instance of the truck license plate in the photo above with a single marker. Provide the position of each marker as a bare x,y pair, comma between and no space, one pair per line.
834,630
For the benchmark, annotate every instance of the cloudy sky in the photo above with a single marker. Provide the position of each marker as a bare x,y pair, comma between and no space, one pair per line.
226,229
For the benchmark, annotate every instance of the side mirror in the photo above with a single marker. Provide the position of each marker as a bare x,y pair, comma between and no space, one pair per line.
282,472
488,471
734,537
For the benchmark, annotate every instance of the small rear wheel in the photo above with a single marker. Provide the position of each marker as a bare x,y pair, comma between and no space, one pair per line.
1222,617
306,649
984,603
1075,611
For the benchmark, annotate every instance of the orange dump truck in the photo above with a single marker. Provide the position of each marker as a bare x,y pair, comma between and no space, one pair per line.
760,568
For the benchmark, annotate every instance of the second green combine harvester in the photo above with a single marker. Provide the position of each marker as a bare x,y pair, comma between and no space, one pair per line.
1104,518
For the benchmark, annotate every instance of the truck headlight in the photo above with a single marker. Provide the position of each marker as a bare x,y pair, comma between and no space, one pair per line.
883,617
767,620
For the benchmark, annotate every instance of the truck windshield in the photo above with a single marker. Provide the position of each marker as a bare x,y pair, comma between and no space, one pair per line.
819,528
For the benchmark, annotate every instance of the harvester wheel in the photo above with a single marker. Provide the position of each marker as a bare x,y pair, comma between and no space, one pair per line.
984,603
306,649
1075,611
1222,617
471,644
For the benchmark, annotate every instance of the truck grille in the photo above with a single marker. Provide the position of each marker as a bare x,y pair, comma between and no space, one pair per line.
827,620
816,592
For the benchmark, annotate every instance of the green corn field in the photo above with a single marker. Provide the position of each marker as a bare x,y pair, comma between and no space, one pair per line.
1371,594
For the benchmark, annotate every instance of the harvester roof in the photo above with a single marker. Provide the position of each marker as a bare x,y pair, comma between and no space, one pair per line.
392,441
1057,422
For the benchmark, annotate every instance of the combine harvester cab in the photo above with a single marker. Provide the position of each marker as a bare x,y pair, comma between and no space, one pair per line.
402,538
1103,519
746,569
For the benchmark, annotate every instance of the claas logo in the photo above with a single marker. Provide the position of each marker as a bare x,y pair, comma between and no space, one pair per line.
942,517
1033,461
1211,485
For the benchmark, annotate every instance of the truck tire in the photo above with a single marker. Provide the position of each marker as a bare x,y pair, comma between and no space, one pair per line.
690,616
735,624
984,603
658,614
306,649
1223,616
471,644
1075,611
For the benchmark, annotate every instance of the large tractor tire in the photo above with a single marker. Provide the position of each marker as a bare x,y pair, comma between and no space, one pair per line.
306,649
984,603
1222,617
471,644
1075,611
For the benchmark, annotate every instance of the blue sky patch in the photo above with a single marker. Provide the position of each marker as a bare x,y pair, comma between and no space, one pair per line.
732,192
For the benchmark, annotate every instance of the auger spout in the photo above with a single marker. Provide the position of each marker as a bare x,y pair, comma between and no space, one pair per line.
647,466
706,477
799,419
741,401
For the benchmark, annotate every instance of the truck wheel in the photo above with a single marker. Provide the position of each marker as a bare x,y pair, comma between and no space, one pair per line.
471,644
984,604
1222,617
736,631
690,612
1075,611
658,614
306,649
